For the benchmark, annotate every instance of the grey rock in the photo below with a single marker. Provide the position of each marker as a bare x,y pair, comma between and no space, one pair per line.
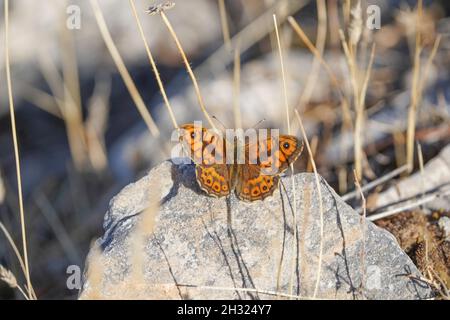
214,248
444,224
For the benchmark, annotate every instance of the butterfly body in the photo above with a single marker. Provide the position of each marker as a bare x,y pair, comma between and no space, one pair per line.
249,174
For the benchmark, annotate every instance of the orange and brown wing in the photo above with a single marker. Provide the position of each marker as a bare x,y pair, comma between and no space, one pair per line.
204,146
207,150
290,148
274,157
259,181
252,185
215,179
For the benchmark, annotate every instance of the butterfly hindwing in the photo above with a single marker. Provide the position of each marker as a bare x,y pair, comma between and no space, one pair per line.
214,179
252,185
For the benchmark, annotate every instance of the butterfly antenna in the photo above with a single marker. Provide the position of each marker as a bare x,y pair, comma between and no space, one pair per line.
220,122
258,123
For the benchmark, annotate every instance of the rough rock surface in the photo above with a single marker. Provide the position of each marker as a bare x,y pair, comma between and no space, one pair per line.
213,248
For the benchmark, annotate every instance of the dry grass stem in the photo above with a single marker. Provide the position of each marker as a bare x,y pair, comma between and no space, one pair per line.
360,116
319,191
96,125
251,290
8,277
16,151
422,171
188,68
363,227
42,100
377,182
314,145
224,24
248,36
356,24
139,102
305,97
302,35
412,113
237,88
13,246
2,189
286,105
154,67
408,205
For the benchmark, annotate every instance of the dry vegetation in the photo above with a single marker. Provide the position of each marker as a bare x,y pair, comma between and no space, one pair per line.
55,223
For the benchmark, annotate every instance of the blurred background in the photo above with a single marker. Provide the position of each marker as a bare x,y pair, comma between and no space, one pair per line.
81,138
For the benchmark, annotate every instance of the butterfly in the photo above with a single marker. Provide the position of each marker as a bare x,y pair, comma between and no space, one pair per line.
251,178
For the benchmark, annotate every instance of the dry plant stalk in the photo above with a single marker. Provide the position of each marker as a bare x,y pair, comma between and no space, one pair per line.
16,152
131,86
319,191
360,116
302,35
305,97
2,189
42,100
358,90
248,36
410,132
251,290
13,246
286,105
314,144
154,67
8,277
96,124
363,223
356,24
71,107
237,88
422,171
187,65
67,109
224,24
317,54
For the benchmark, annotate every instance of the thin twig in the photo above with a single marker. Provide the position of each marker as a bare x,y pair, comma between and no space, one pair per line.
13,246
360,116
319,191
363,226
16,151
248,36
411,129
139,102
302,35
224,23
188,68
237,88
376,182
154,67
410,205
254,290
422,171
305,97
286,105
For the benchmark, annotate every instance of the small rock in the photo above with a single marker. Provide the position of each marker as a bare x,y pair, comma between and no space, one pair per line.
208,248
444,224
